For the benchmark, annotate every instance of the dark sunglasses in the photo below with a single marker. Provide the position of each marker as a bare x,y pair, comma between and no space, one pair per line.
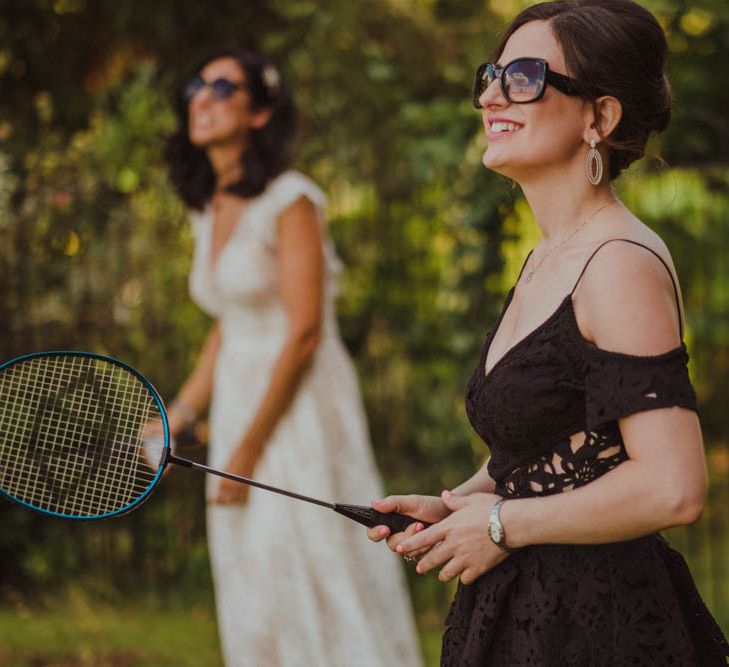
220,89
522,80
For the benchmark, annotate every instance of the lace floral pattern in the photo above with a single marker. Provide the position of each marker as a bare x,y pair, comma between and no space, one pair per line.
553,384
548,410
617,385
571,463
629,603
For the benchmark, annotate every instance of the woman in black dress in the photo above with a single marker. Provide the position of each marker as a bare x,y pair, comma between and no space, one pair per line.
582,390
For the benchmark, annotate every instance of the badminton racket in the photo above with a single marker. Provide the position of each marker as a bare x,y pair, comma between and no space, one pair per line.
85,436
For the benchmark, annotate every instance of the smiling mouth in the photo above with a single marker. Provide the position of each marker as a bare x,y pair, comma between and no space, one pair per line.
201,120
501,127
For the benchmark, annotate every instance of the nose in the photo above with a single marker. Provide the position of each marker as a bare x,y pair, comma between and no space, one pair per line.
492,96
201,96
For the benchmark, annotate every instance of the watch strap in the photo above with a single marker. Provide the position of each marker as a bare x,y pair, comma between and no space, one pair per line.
495,518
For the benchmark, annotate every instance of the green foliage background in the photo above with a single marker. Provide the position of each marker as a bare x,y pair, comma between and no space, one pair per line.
95,248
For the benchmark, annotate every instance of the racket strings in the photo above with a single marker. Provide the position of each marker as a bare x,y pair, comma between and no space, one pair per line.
59,465
71,435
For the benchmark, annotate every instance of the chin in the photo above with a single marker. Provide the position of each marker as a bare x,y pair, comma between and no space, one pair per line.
497,164
199,139
218,137
202,145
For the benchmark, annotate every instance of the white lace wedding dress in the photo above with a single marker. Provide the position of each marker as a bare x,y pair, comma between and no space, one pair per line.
295,584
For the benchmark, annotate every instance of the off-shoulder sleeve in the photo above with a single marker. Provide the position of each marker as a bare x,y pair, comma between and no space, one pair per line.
618,385
282,192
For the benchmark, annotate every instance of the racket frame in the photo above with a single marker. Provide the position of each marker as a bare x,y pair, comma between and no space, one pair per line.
163,415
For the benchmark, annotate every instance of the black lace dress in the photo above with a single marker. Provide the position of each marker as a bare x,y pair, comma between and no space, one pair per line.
626,603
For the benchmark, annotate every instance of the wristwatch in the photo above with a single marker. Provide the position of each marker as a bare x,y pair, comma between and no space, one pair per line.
496,530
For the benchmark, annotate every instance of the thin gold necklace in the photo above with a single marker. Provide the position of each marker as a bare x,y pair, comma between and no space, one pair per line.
534,269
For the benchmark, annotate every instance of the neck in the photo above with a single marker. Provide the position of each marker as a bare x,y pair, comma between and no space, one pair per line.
562,201
226,164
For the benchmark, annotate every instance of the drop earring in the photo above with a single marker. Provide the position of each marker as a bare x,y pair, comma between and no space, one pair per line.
594,164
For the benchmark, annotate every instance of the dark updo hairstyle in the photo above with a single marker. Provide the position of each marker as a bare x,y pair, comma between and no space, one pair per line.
267,154
616,48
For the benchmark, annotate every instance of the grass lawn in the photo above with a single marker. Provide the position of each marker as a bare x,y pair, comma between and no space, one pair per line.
85,635
81,633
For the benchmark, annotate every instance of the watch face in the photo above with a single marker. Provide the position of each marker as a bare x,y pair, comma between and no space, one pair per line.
495,532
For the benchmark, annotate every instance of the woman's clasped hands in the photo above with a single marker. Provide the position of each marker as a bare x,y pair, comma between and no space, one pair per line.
457,538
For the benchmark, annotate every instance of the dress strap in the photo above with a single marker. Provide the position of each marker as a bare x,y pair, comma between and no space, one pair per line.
523,266
660,259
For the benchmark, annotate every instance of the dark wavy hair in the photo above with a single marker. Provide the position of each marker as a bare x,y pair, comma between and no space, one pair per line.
617,48
268,152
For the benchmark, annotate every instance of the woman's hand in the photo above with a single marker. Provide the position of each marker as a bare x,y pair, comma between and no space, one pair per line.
152,438
177,421
241,463
428,509
460,540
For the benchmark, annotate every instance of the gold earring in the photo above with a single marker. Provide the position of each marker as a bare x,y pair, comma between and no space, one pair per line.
594,164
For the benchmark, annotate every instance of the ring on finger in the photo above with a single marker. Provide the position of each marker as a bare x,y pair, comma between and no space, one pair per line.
409,558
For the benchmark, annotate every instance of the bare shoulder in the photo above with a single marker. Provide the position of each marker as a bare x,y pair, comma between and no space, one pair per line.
297,198
626,300
302,208
298,224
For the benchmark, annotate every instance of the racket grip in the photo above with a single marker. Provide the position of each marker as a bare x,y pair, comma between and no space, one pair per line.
370,517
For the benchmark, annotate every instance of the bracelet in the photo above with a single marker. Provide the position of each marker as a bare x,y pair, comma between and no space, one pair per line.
187,413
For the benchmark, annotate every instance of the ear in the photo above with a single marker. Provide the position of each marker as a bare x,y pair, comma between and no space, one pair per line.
259,119
605,113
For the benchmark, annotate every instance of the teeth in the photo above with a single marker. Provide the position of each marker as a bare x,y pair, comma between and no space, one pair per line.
502,126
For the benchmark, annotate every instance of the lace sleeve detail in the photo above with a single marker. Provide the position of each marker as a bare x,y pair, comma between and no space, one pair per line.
618,385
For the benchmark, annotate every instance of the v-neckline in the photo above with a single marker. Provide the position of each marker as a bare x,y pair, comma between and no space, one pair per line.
214,262
487,373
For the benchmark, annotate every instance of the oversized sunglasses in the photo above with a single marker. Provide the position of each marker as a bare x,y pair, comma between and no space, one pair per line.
522,80
220,89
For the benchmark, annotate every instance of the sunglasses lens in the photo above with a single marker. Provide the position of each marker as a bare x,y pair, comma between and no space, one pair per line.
484,76
222,89
524,80
192,88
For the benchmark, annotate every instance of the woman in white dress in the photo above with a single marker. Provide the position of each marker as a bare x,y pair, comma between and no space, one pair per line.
294,584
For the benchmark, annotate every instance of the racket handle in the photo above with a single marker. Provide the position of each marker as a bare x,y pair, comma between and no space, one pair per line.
371,517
